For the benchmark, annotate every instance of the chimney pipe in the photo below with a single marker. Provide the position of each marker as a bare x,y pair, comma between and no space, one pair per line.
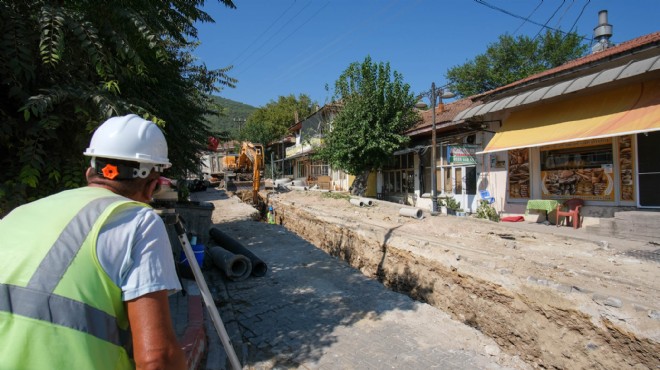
602,33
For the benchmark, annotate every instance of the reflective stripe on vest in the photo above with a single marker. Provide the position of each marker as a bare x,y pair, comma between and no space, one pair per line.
61,311
37,300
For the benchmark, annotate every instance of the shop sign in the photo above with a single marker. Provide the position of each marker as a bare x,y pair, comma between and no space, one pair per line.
462,154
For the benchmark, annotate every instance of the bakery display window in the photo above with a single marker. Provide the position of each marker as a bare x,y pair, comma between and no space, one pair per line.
578,170
519,173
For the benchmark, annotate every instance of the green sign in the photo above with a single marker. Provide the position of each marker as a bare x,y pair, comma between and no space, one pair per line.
462,154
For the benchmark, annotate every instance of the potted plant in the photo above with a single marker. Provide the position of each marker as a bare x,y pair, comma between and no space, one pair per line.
486,211
452,205
443,205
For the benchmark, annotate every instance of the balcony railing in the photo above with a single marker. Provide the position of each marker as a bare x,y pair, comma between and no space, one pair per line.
303,148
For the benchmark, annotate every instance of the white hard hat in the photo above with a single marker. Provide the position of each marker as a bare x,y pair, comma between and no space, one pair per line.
130,138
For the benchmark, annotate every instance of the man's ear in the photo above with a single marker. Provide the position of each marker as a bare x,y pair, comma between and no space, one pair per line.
151,186
89,173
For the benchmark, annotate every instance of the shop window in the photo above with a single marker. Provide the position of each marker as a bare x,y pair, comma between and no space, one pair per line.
578,170
458,180
397,181
446,175
301,169
649,169
471,180
425,167
398,174
627,168
519,173
319,168
408,181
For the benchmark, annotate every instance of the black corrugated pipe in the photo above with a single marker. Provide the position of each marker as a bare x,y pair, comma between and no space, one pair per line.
259,268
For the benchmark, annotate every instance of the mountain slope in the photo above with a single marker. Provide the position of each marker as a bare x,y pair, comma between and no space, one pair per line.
232,115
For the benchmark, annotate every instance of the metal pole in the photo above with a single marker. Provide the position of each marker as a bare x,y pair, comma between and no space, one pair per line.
434,180
272,166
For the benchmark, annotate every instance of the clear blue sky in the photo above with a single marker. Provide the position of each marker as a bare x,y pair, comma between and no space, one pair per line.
283,47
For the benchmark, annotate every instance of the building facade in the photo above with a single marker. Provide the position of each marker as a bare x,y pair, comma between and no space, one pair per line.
297,161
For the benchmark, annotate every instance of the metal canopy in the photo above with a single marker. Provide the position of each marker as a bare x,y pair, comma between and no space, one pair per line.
631,69
409,150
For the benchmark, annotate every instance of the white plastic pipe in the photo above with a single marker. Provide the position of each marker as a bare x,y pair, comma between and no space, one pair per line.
319,190
357,202
283,181
293,187
368,202
412,212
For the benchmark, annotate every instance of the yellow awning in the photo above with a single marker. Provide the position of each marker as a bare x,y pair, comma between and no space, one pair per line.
625,110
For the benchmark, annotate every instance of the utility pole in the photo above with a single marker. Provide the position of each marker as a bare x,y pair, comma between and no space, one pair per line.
240,122
434,94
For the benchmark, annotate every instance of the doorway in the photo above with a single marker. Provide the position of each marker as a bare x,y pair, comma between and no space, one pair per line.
648,152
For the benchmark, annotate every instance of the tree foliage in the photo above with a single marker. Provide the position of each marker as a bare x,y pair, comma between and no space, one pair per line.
512,59
65,67
377,107
272,121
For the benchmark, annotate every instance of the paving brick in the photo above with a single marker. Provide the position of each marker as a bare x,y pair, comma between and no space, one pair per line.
314,311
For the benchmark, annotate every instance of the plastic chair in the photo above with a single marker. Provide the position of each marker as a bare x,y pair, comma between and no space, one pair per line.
485,195
573,211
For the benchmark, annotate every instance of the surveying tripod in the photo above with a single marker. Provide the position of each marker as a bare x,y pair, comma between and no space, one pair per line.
171,217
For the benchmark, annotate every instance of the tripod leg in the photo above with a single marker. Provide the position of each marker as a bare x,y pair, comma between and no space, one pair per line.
206,295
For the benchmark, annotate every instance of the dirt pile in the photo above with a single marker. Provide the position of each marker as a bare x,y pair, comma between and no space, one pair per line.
556,302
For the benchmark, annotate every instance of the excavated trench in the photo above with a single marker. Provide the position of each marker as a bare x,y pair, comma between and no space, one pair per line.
535,323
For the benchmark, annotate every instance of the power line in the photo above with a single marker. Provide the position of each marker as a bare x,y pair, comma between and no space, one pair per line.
287,37
263,33
529,16
483,2
578,18
564,13
318,51
273,35
549,19
362,25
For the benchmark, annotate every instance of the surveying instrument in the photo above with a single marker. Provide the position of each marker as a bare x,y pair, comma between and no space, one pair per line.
163,204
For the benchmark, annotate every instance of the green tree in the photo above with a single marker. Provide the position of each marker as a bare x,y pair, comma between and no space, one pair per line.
65,67
272,121
377,107
512,59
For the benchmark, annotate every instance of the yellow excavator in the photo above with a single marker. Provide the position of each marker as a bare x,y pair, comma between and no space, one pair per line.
245,167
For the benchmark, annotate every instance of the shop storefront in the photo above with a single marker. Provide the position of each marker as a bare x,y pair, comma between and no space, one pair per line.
598,148
593,170
398,178
456,172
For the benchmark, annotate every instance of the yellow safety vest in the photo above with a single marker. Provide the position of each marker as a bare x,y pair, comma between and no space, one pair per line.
58,307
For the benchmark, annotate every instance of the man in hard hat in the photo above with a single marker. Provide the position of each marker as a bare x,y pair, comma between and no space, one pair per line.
85,273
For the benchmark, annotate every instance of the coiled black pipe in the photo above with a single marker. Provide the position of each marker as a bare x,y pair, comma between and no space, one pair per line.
259,268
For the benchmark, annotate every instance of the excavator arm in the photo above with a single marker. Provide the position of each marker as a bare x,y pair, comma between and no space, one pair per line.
252,157
257,168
